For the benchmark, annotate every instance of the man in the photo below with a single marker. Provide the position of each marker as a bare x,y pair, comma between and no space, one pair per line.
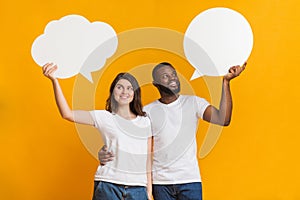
174,120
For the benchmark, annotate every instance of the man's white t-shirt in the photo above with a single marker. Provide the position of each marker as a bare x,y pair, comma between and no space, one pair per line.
174,128
128,140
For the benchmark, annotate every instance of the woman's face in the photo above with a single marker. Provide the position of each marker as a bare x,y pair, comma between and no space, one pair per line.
123,92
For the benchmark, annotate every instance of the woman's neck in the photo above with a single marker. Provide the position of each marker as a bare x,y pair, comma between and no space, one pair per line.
125,112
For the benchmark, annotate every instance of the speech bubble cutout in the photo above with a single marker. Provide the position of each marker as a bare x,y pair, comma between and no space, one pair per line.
68,42
217,39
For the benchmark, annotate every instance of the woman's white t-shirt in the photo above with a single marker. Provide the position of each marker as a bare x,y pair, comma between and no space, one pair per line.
128,140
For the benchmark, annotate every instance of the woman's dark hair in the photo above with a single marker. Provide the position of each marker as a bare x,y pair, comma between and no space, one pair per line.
135,105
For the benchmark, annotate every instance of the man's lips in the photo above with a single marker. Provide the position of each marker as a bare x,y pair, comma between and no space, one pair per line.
173,84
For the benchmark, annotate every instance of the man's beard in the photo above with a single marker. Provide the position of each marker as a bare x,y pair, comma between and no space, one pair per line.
167,90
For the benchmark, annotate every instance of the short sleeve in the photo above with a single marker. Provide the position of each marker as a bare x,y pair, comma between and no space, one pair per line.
98,116
147,110
93,114
150,126
201,105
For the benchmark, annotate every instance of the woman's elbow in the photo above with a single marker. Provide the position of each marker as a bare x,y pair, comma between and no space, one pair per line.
68,117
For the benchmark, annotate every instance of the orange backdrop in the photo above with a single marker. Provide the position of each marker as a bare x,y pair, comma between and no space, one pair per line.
43,156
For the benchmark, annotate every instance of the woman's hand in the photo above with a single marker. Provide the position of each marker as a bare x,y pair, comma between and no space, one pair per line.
48,71
149,190
149,195
105,156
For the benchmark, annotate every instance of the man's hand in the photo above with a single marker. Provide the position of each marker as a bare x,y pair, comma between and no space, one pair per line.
105,156
234,72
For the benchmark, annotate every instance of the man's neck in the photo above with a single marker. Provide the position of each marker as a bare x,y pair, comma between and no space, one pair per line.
167,99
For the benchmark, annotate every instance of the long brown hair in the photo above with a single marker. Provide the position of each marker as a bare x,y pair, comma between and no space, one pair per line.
135,105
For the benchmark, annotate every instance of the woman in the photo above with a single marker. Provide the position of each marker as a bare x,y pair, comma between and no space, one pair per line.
126,132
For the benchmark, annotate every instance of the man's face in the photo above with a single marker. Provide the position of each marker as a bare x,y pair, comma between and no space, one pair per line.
167,79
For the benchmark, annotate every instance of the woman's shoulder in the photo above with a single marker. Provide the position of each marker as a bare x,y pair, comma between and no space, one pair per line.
143,119
101,113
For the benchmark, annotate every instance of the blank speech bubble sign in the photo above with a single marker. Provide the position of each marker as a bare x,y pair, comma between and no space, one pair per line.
69,41
217,39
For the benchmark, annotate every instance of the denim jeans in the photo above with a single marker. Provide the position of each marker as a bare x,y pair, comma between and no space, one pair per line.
111,191
186,191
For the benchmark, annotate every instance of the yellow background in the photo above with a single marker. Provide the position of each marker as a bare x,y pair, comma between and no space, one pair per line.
256,157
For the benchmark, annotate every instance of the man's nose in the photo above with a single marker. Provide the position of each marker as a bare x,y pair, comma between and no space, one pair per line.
172,78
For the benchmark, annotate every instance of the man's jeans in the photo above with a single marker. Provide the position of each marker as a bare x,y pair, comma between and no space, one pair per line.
186,191
110,191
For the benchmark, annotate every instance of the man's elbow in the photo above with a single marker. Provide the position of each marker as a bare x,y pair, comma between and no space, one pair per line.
226,123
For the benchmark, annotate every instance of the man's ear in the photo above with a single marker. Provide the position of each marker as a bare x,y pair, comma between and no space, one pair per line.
155,83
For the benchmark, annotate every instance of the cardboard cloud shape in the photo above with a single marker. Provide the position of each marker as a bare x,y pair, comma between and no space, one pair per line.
217,39
69,41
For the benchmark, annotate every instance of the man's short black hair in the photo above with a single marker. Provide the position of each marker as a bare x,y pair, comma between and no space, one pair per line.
160,65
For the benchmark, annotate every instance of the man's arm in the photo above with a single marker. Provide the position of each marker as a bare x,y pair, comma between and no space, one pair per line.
222,116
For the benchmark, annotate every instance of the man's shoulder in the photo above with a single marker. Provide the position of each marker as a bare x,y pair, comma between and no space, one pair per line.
193,99
187,96
151,104
191,96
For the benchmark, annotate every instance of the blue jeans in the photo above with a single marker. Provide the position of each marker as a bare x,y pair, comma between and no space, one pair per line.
186,191
111,191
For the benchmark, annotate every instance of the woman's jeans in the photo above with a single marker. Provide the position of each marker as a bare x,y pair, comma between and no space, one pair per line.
111,191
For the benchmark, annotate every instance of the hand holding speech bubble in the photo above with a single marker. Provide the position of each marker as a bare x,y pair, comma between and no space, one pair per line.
217,39
69,41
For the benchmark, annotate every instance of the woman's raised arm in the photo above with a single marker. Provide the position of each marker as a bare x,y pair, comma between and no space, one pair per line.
77,116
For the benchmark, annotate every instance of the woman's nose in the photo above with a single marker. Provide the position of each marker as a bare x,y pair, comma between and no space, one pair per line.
125,91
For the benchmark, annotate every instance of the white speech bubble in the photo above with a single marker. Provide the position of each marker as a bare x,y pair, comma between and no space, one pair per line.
217,39
68,42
